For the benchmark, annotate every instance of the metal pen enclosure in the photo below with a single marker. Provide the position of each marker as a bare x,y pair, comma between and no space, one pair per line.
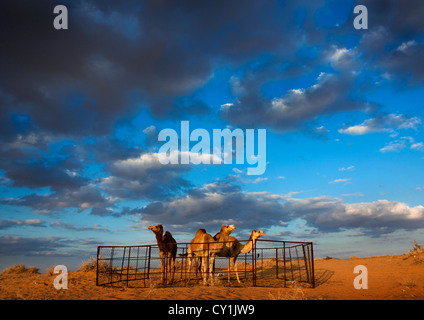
270,263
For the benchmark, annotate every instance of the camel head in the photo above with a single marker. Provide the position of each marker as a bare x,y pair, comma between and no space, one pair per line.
256,234
227,228
157,229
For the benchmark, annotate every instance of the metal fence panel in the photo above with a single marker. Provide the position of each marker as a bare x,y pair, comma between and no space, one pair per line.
270,263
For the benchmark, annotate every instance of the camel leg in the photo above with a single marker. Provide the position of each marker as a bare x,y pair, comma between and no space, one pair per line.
235,268
189,258
204,269
162,264
171,268
199,264
196,267
211,264
229,269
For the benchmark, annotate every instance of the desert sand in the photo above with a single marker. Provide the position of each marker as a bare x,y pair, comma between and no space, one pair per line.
397,277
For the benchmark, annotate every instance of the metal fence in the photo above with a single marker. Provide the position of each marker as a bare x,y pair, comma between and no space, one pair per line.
270,263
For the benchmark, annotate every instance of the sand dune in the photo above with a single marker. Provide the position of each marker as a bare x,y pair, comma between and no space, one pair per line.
389,277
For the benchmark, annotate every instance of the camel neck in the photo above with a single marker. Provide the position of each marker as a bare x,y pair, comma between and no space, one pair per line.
224,236
248,246
158,237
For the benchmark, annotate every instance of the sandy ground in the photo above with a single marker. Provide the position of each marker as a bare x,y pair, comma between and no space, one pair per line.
389,278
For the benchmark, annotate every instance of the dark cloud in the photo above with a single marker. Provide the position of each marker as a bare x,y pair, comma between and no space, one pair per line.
391,49
49,249
42,160
73,227
15,245
374,218
331,94
393,42
224,202
401,18
214,204
83,198
35,174
114,59
144,177
115,56
4,224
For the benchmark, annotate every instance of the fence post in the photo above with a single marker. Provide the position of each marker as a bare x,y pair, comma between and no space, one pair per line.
97,266
136,263
111,264
148,262
254,263
128,264
313,266
245,266
284,261
122,264
276,262
306,263
298,264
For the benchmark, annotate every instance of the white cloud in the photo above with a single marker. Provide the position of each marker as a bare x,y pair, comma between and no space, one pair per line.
254,181
418,146
226,106
402,143
237,170
339,53
321,130
385,208
257,180
357,129
346,180
394,146
405,45
356,194
297,91
342,58
350,168
149,130
145,162
386,123
329,214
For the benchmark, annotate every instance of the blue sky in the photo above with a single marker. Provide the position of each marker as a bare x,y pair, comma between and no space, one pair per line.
81,110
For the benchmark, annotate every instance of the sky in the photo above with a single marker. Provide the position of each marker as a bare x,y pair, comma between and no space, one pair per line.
81,110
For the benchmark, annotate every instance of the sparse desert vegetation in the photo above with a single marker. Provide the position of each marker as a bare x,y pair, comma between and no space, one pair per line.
20,269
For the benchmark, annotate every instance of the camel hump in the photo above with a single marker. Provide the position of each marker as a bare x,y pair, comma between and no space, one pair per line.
169,236
200,233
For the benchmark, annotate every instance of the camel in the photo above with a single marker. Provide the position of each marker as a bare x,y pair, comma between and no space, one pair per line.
167,250
234,248
204,245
